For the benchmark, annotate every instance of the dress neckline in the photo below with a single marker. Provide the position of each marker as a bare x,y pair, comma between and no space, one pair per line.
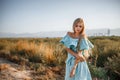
72,37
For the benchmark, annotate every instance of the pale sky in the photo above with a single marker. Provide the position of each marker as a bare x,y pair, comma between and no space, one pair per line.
31,16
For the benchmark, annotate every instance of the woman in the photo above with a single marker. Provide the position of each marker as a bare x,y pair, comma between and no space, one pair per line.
76,65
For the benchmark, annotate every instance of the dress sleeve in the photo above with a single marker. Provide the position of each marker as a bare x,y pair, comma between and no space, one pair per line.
65,41
85,44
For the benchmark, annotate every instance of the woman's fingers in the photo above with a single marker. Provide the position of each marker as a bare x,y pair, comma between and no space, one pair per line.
81,58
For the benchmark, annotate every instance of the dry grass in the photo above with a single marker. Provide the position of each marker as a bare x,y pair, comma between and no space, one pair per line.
40,54
4,66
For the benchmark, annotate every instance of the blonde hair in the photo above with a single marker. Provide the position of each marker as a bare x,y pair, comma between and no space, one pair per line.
87,53
79,20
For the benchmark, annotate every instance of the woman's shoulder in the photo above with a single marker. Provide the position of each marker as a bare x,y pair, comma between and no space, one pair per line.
69,33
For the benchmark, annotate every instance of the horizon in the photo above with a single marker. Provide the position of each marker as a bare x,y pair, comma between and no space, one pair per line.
60,31
32,16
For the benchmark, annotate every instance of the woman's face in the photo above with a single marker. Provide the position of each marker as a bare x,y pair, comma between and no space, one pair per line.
78,28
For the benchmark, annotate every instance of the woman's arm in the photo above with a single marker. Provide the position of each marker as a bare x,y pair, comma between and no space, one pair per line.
71,52
81,55
77,55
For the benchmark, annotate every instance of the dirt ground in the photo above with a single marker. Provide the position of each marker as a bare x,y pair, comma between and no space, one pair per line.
12,71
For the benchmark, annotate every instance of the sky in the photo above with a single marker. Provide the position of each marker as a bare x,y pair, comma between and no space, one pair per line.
31,16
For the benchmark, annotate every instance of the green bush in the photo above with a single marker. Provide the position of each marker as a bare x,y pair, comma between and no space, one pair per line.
113,66
104,48
98,72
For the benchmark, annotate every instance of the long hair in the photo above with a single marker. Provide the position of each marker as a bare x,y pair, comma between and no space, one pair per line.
79,20
87,53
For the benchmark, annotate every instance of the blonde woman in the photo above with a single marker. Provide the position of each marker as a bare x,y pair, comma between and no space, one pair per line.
77,45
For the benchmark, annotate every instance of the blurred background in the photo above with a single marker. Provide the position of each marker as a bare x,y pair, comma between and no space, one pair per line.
30,31
44,18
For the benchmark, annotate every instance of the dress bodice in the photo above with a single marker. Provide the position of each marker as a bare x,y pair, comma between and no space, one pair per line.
71,43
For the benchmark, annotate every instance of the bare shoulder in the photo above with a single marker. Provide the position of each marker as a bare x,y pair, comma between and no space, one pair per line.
70,33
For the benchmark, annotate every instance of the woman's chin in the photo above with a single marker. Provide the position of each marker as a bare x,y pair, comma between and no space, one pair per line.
77,31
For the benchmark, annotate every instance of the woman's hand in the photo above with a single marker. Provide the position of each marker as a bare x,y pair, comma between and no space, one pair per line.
77,55
80,57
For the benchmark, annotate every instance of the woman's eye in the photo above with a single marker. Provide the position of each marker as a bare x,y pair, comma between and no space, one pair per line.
78,26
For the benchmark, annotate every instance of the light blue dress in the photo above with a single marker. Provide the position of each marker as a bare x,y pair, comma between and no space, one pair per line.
82,70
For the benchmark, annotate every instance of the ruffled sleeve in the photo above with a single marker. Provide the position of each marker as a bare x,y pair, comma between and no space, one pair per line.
85,44
65,41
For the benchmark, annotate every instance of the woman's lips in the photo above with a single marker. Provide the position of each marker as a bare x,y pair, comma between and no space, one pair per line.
78,30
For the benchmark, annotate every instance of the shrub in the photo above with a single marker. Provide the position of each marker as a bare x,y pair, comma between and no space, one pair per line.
98,72
113,66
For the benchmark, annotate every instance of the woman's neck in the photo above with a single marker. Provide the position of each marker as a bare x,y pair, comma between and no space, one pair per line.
76,34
